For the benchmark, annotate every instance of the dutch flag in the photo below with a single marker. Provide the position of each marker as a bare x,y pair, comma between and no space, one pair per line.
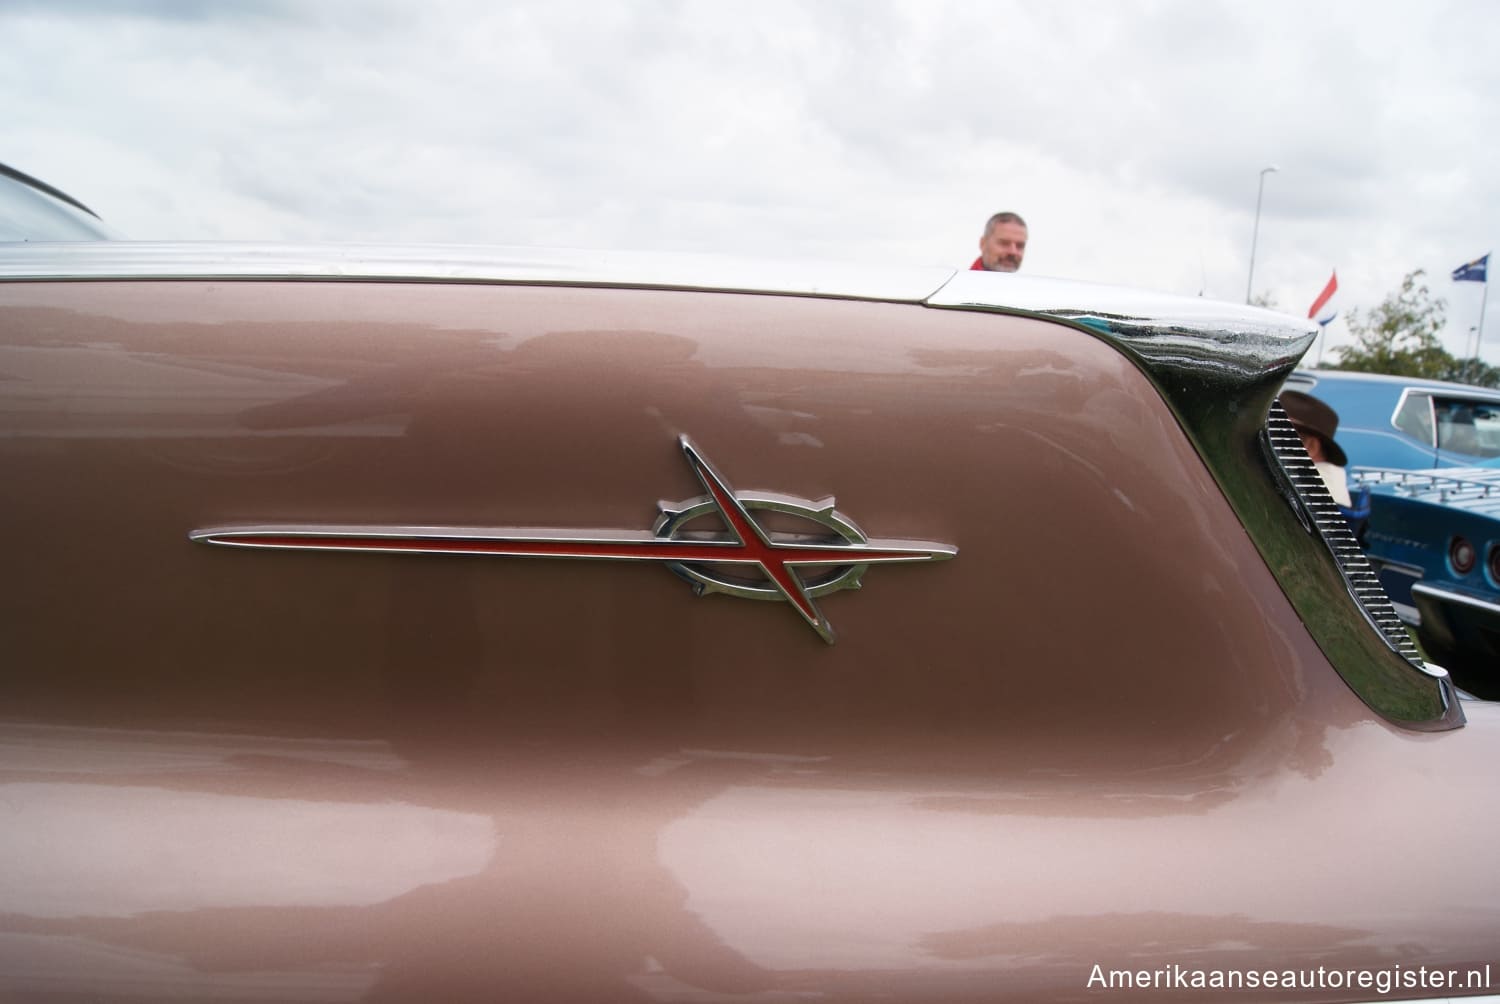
1323,309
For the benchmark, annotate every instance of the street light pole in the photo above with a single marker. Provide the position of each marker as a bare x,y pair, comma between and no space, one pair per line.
1255,233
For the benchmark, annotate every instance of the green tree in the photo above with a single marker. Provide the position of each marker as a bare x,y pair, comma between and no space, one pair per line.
1400,336
1473,371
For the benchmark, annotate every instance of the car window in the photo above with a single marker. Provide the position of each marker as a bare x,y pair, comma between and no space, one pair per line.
1471,427
1414,417
1487,425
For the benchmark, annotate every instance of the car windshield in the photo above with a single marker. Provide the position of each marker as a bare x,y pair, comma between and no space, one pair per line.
33,211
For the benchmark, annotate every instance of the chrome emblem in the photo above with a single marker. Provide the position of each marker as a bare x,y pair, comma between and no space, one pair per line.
765,546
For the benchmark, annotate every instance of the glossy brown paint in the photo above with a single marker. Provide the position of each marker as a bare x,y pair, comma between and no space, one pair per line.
1098,735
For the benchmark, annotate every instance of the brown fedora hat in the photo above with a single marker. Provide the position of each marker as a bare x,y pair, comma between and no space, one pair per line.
1308,413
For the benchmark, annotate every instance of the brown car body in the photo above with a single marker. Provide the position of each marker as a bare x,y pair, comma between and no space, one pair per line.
1100,738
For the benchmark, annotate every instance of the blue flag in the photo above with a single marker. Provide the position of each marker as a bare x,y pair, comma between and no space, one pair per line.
1475,271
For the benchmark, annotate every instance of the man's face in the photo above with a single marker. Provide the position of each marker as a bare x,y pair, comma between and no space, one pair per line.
1002,247
1312,444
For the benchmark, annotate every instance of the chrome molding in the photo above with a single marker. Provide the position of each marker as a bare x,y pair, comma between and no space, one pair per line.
1219,367
135,260
1187,340
1441,595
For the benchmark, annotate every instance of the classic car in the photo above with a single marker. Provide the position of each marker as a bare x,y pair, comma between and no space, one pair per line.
992,639
1434,540
1407,423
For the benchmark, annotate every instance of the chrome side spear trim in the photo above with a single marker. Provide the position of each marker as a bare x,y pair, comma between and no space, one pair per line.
783,563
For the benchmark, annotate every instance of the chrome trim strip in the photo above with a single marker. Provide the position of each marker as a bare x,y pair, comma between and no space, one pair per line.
136,260
1219,367
1448,596
1170,334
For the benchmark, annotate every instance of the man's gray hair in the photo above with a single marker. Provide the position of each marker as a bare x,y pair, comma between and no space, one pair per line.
1000,218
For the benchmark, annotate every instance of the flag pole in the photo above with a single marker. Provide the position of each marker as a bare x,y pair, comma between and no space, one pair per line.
1483,299
1478,271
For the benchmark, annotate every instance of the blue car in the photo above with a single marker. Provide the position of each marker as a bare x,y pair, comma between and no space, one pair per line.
1424,473
1407,423
1434,539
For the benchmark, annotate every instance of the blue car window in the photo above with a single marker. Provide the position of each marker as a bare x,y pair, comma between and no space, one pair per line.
1415,417
1468,427
1487,426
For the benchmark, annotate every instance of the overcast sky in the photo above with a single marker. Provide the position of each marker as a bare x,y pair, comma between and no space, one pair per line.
1131,135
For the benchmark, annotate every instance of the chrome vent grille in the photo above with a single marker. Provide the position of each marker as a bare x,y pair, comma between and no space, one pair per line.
1323,515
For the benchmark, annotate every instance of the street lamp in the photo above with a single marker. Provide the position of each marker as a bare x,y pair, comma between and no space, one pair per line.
1255,233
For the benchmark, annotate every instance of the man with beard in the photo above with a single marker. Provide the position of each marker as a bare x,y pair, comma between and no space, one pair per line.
1003,244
